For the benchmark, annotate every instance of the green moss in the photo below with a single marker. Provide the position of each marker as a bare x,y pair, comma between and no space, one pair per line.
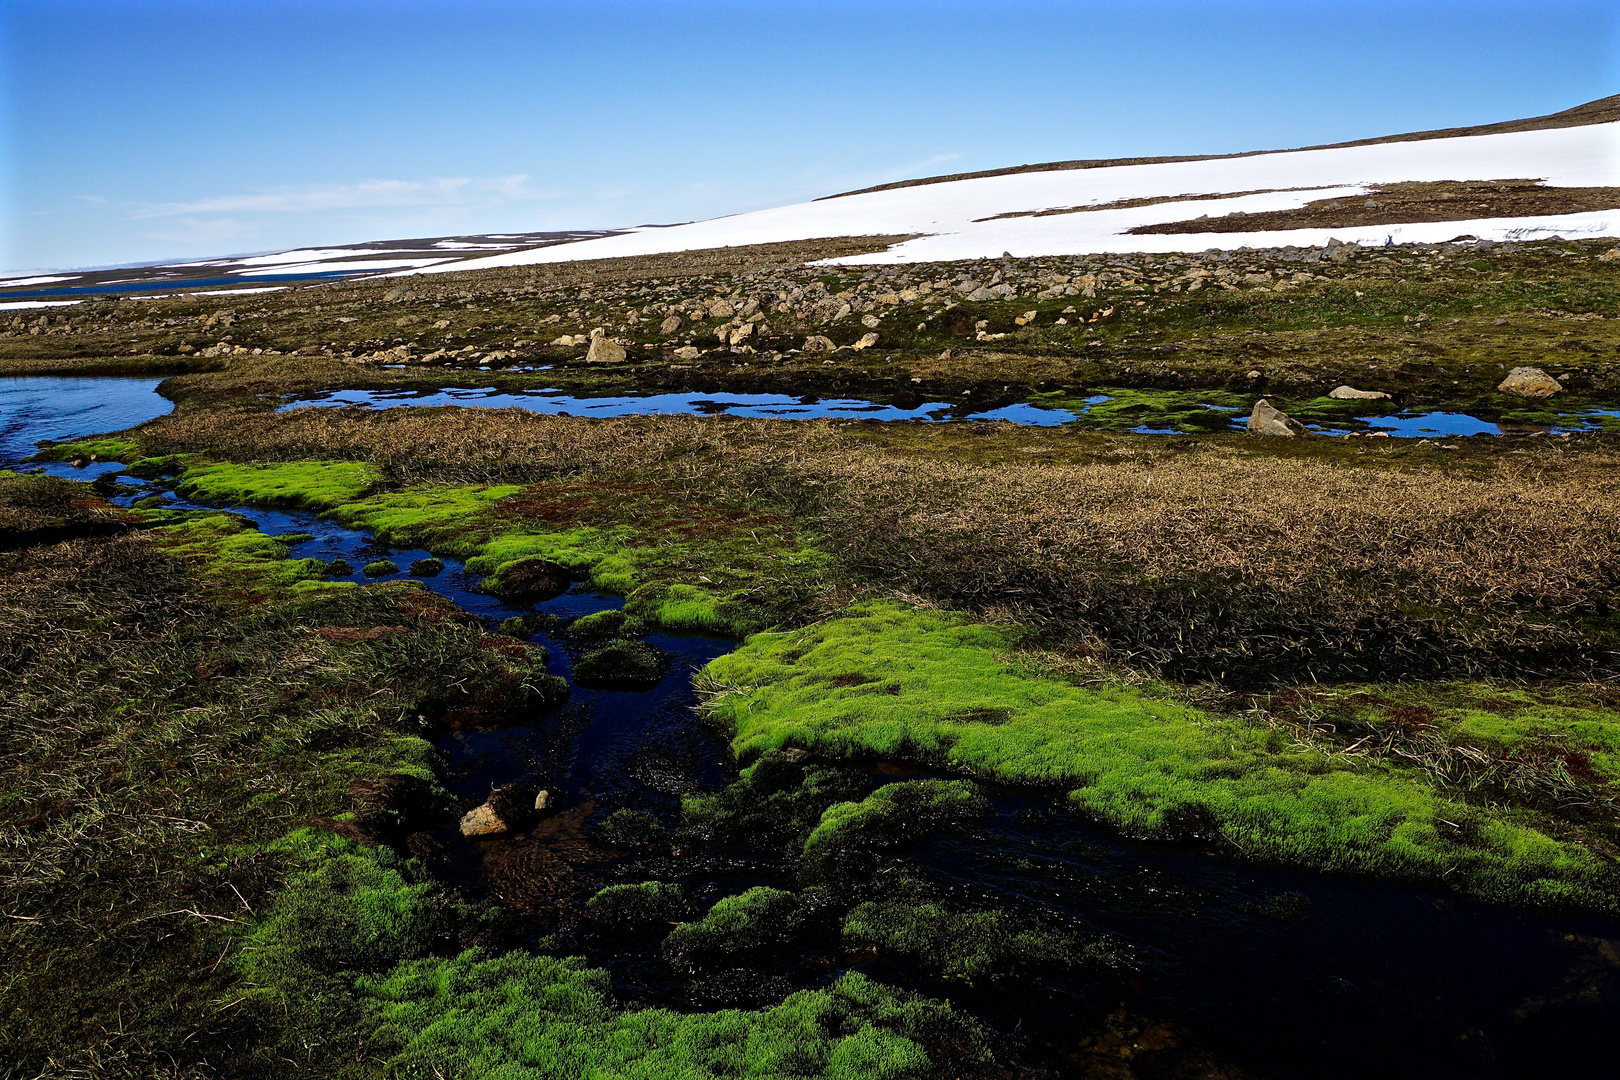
894,682
846,842
339,568
104,448
233,555
380,568
520,1017
604,624
760,918
426,568
646,903
621,664
307,485
773,803
630,828
970,944
1189,411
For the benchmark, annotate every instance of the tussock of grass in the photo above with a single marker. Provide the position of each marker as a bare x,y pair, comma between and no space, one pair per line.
941,690
308,485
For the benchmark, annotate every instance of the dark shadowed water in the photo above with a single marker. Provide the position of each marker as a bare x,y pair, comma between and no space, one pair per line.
1283,974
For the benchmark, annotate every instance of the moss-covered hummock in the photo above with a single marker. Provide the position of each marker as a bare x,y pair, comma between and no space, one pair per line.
888,681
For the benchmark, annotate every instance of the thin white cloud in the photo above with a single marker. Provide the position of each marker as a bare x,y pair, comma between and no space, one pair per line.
190,230
368,194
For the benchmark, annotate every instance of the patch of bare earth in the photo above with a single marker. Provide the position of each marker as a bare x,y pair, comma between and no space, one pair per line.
1405,203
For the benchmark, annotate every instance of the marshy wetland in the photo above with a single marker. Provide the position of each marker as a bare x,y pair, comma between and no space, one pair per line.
636,730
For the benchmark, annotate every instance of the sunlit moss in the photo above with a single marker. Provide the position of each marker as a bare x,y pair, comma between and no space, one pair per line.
895,682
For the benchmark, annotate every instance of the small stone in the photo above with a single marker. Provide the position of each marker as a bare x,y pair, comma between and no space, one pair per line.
482,821
721,309
688,352
1255,374
793,755
603,350
1612,255
980,295
869,321
1026,318
542,800
670,325
866,342
1529,382
1350,393
1267,420
818,343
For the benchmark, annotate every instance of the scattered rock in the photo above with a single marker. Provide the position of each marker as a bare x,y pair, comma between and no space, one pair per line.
1529,382
870,321
670,325
1350,393
1267,420
866,342
793,755
1255,374
1612,255
721,309
818,343
542,800
688,352
482,821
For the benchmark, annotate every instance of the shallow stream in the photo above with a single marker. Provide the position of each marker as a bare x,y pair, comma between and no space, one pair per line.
1280,973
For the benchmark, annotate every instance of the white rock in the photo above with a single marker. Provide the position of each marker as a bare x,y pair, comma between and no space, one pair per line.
688,352
542,799
1350,393
866,342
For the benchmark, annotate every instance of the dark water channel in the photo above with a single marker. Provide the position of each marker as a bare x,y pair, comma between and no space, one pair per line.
1278,973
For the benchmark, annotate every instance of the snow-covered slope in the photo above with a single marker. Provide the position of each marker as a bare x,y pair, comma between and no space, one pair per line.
950,215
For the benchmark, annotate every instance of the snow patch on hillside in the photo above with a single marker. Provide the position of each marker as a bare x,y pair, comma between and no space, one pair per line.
948,215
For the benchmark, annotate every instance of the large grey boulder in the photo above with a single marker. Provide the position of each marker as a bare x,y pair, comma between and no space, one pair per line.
1529,382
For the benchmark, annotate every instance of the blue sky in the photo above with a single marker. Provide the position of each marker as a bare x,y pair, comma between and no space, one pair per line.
150,130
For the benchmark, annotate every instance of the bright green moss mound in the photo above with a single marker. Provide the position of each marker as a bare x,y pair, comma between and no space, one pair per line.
642,904
518,1017
307,485
756,919
888,681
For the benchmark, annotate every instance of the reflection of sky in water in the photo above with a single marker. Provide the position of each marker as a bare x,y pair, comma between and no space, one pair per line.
760,406
57,407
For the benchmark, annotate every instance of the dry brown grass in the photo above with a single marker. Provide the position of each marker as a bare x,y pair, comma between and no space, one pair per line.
1221,563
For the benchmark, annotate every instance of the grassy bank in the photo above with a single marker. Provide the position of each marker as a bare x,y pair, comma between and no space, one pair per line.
215,776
